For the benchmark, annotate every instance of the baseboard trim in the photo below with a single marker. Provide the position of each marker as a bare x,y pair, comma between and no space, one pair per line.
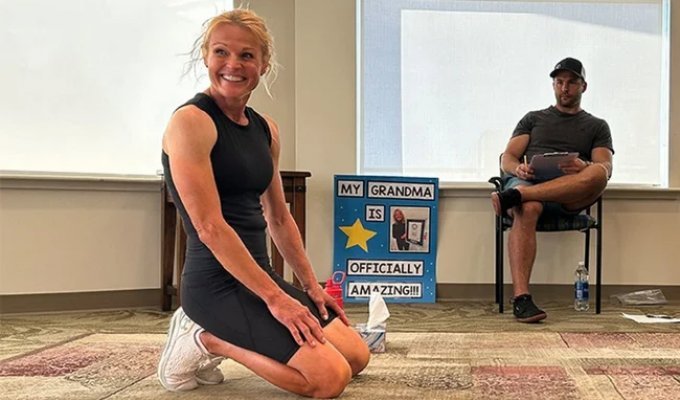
486,291
51,302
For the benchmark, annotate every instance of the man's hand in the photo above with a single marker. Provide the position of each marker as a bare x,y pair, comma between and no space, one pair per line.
323,301
574,166
524,171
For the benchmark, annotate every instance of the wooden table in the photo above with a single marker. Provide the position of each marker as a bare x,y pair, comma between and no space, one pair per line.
173,239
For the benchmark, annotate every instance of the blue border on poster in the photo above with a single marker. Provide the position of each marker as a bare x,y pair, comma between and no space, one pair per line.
365,245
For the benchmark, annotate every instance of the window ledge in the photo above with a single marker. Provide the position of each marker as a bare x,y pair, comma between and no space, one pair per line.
614,191
32,180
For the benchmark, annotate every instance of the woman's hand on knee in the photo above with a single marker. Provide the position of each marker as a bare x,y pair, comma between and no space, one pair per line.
324,301
301,323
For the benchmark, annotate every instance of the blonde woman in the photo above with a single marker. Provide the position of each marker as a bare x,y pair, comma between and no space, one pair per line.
220,160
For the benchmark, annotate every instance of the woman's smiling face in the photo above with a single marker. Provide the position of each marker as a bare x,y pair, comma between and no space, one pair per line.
235,62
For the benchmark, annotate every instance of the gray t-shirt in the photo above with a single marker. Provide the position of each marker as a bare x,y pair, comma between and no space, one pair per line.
551,130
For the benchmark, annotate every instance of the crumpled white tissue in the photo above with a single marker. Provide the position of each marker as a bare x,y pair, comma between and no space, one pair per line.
377,312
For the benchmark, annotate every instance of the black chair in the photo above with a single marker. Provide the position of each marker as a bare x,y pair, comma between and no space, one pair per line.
583,222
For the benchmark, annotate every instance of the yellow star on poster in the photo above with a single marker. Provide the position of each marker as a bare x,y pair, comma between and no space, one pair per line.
357,235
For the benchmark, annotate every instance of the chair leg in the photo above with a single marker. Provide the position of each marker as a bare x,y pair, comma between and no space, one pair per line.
586,257
598,273
179,258
168,229
495,240
598,260
499,263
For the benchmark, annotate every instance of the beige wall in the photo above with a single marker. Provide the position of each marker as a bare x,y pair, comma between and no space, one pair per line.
280,17
100,236
61,235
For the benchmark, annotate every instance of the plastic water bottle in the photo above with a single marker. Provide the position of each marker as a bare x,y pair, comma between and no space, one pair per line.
334,287
581,293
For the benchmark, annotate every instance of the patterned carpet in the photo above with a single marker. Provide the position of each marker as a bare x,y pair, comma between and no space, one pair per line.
113,355
87,367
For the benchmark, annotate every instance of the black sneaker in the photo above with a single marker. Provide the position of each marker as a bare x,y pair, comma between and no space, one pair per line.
525,310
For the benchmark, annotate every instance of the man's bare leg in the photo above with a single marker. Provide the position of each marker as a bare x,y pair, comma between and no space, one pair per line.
522,254
522,245
574,191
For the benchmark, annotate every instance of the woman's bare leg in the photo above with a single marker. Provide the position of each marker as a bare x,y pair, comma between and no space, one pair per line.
320,371
349,344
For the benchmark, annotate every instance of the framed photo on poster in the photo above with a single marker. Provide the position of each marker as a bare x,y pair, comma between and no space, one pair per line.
415,230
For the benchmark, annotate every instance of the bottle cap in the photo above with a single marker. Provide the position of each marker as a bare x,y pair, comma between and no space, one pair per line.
338,277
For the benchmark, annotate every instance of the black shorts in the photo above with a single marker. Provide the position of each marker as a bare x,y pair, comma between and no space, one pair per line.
227,309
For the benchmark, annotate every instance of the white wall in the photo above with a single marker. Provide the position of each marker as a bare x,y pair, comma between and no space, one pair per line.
106,237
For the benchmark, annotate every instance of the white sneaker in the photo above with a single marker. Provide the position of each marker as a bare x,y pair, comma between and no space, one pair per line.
208,372
182,355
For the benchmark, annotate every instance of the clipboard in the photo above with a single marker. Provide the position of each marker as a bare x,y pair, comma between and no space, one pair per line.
546,166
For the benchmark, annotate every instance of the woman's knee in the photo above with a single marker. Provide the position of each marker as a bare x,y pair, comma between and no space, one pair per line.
331,382
359,359
349,344
325,370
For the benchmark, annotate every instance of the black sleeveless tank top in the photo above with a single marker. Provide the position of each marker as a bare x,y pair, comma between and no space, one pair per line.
243,168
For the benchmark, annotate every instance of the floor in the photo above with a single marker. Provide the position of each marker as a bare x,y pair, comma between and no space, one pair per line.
24,332
38,337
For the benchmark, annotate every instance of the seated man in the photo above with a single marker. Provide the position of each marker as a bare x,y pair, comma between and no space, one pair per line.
564,127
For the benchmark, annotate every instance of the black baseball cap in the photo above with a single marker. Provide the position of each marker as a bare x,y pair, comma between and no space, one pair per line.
572,65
